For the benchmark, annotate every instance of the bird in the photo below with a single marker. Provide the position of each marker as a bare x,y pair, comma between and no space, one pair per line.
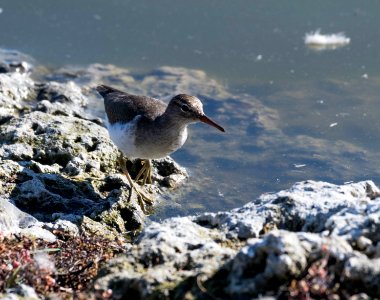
147,128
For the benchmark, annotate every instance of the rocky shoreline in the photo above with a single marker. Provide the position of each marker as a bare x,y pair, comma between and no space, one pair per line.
59,177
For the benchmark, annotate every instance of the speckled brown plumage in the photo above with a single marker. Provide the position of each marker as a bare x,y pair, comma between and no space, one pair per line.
124,107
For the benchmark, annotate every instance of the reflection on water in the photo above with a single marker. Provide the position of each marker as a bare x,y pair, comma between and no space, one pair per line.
290,113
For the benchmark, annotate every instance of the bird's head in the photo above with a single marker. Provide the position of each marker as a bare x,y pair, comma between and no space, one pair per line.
190,109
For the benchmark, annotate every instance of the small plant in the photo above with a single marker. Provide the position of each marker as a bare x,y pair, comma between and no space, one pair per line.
319,281
65,267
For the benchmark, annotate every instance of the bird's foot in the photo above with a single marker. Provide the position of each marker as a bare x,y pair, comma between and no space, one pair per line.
146,170
140,193
141,197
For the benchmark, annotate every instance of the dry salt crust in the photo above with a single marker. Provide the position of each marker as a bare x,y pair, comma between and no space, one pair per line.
320,41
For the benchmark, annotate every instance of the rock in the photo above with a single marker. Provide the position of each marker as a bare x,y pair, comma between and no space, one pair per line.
361,296
14,89
92,75
307,206
75,166
241,254
59,172
94,228
66,226
61,92
63,168
279,256
15,61
363,273
168,173
58,140
363,243
61,99
162,82
22,291
15,221
165,255
16,152
121,211
4,68
16,86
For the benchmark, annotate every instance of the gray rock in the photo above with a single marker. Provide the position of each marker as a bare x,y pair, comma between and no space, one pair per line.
15,61
169,173
22,292
16,152
165,255
240,254
364,272
92,75
15,221
279,256
63,168
14,89
307,206
361,296
75,166
10,56
16,86
57,140
63,226
61,99
61,92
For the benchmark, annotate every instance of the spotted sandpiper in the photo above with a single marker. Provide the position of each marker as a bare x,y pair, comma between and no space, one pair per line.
147,128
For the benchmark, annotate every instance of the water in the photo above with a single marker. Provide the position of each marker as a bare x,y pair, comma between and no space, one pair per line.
326,104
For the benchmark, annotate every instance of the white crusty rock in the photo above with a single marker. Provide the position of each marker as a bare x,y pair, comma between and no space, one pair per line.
61,99
164,255
241,253
15,88
281,255
307,206
364,272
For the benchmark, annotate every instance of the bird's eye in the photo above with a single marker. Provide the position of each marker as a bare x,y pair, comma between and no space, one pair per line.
185,108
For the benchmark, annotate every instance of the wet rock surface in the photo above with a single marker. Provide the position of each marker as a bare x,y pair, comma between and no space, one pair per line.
59,172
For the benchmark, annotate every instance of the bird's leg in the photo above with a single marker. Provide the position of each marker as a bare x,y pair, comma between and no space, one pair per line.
142,170
147,171
140,195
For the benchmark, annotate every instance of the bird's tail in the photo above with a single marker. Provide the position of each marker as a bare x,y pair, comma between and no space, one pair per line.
104,90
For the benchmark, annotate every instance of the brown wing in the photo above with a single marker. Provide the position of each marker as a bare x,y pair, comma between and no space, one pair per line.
124,107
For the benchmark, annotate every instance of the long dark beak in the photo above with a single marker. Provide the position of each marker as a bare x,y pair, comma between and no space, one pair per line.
208,121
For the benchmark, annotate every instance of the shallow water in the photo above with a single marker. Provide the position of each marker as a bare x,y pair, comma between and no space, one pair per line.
296,113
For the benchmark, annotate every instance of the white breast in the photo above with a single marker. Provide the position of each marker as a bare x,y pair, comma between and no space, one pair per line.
123,136
183,137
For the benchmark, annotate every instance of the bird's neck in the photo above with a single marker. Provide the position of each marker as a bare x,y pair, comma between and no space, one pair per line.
170,121
169,132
